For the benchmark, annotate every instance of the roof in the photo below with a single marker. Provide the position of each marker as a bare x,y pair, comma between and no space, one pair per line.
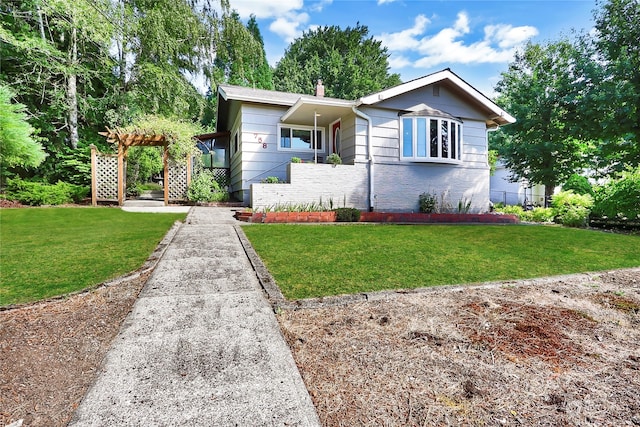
304,106
262,96
500,116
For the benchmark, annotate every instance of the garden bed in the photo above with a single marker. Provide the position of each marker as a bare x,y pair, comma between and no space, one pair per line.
381,217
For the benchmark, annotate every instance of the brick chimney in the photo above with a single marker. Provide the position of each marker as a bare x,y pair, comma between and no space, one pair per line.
319,89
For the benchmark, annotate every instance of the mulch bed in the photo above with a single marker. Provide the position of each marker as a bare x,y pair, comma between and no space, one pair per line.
564,352
50,351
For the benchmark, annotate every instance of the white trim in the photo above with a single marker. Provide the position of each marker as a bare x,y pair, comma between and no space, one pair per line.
321,102
434,78
429,158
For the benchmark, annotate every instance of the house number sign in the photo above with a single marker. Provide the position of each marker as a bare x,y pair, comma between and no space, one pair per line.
259,139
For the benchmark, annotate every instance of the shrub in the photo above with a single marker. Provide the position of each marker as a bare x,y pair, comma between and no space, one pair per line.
619,198
271,180
428,203
578,184
205,188
571,209
38,193
510,210
334,159
347,215
538,214
296,160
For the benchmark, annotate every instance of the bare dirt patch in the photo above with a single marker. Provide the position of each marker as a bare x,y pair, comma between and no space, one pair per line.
50,351
552,352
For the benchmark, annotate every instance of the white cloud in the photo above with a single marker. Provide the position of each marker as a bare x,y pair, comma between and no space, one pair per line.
266,9
508,36
289,27
448,47
406,39
385,2
399,61
317,7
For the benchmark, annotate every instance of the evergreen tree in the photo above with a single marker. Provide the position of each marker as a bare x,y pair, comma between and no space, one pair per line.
350,63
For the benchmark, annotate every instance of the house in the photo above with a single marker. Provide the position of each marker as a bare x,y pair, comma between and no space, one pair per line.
425,135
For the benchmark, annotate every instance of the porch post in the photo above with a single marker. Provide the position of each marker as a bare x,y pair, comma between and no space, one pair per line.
315,137
121,150
165,162
94,180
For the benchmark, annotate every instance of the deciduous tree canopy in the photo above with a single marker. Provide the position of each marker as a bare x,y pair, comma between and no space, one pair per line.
576,102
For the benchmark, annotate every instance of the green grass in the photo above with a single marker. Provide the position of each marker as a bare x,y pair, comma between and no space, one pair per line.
45,252
312,261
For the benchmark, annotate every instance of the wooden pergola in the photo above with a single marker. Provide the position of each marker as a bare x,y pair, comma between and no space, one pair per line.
139,138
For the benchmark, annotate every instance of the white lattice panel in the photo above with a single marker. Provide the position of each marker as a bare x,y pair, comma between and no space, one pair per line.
107,176
177,182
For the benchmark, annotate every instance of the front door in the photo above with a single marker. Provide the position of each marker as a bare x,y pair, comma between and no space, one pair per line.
335,138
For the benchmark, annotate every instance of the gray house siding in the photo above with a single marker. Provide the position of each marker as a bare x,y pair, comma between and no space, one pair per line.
447,100
399,185
261,155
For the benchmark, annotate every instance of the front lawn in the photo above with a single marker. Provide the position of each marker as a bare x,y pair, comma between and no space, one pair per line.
312,261
52,251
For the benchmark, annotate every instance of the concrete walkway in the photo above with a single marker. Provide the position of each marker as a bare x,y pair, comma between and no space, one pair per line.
201,346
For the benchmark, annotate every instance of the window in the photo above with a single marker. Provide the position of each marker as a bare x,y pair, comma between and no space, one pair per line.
300,138
430,139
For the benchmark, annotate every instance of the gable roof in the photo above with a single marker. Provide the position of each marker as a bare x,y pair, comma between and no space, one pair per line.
307,105
499,117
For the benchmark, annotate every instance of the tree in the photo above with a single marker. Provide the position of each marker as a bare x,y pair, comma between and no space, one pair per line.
541,89
17,144
58,55
618,25
240,58
350,64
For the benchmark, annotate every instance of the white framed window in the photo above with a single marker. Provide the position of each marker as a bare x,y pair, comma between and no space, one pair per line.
430,139
300,138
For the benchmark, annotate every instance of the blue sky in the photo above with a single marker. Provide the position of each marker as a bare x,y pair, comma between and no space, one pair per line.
476,39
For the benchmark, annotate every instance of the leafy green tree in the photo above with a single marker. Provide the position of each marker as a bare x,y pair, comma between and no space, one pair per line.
240,58
618,25
546,145
17,144
350,63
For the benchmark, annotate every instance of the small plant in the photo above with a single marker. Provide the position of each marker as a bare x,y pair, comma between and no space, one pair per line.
464,205
271,180
347,215
334,159
205,188
428,203
296,160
